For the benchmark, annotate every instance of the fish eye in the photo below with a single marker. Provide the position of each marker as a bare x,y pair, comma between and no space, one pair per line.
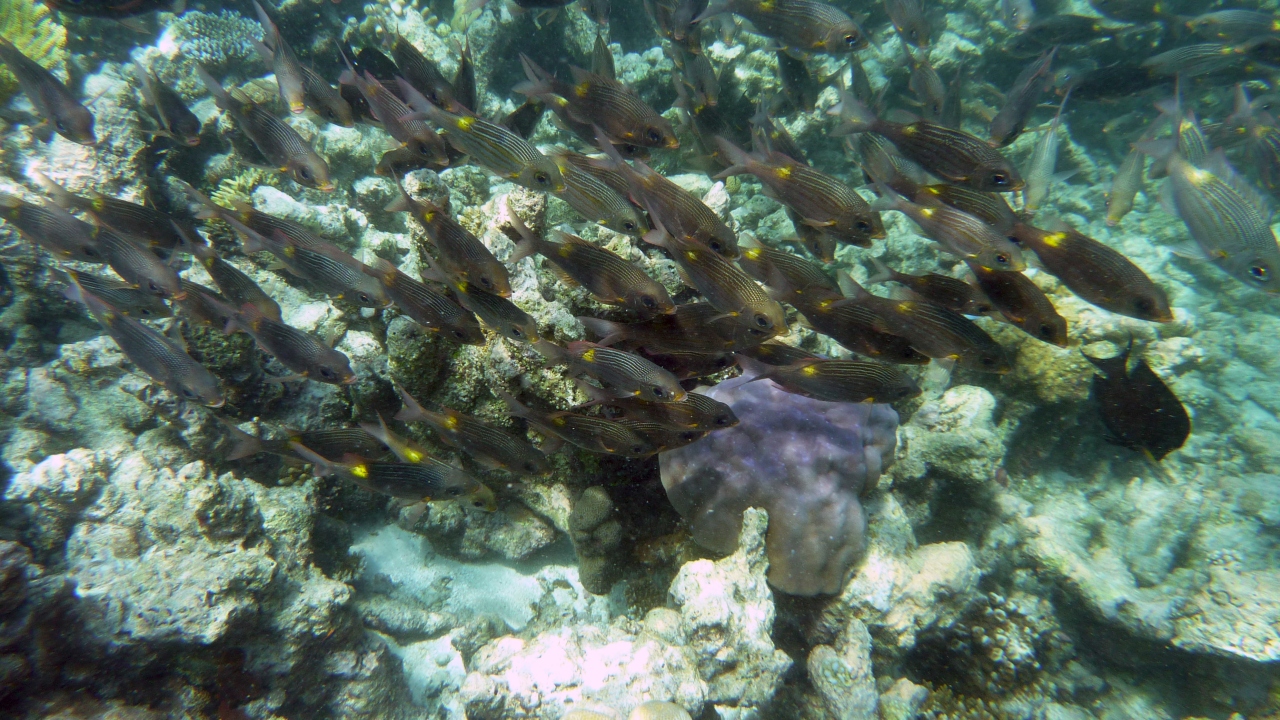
189,394
327,374
1000,179
515,331
722,421
1143,305
61,126
648,302
628,225
654,135
530,467
715,246
541,178
459,334
1261,273
863,225
638,449
453,492
851,39
1003,258
987,362
364,298
1046,331
764,322
304,173
477,503
486,282
658,391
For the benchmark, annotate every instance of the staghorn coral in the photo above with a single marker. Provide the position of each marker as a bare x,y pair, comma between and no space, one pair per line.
218,42
27,24
804,461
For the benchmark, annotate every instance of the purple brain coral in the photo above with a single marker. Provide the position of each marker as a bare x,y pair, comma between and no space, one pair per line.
804,461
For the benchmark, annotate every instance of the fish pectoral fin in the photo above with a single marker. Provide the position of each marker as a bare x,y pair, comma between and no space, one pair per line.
1190,250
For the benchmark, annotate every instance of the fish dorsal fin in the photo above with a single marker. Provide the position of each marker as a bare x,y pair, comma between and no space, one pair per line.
1217,163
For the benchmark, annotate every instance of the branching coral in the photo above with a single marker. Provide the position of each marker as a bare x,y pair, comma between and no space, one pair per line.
214,41
27,24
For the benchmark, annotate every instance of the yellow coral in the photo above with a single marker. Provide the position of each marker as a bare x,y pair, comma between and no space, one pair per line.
28,25
241,186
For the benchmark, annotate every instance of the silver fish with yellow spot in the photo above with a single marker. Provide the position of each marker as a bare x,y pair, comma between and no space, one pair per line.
625,372
595,434
491,446
458,484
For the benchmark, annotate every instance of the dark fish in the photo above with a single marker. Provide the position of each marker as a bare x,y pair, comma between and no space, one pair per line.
1138,409
1125,186
908,19
682,17
55,104
427,307
176,120
1022,303
283,147
674,208
1228,226
53,229
932,329
381,67
990,208
821,201
855,327
122,296
301,352
463,256
802,25
411,482
493,447
399,120
247,221
792,278
598,100
1058,30
951,154
403,160
1096,273
882,163
608,277
615,179
595,200
702,80
1234,25
237,287
586,431
951,293
1118,80
465,90
688,366
662,437
958,232
330,443
495,148
1021,100
1039,173
850,381
324,100
138,265
458,484
724,284
1194,60
283,62
602,59
778,354
623,371
930,92
154,354
205,306
423,74
524,119
696,327
112,9
139,223
495,311
1133,11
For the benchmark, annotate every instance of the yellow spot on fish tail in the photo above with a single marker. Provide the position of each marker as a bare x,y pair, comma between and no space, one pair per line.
906,306
413,456
558,421
451,422
783,172
928,212
464,123
290,251
360,471
429,216
98,204
582,89
590,355
1221,254
1054,239
691,255
909,130
810,370
751,253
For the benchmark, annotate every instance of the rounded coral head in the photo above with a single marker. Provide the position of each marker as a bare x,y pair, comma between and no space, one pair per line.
804,461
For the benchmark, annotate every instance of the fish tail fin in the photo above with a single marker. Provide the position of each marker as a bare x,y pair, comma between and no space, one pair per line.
739,160
64,198
529,242
715,7
752,366
220,95
539,82
323,467
412,409
379,432
551,351
243,444
264,52
882,275
191,242
514,407
608,331
850,287
595,394
857,116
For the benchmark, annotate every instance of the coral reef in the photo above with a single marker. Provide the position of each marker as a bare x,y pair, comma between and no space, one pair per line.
596,536
803,460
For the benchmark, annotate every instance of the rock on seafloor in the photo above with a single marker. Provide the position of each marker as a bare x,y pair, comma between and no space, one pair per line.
712,646
803,460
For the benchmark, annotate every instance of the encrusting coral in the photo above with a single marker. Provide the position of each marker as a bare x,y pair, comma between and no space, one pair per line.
28,25
804,461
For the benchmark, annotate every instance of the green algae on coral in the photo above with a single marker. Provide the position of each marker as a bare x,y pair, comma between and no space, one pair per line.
28,25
